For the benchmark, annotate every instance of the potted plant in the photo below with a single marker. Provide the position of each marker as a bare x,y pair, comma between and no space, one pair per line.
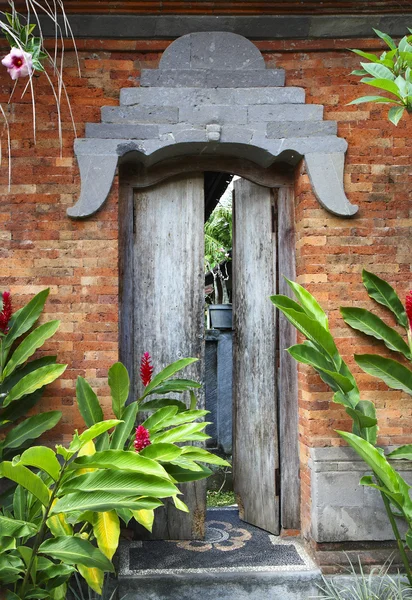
218,245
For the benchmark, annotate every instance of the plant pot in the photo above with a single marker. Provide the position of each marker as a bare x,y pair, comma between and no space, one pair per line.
220,316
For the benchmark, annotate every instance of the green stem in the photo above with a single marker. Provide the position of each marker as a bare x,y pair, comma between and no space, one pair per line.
399,540
42,532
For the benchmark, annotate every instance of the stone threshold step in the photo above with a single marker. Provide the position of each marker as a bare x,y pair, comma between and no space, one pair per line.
223,585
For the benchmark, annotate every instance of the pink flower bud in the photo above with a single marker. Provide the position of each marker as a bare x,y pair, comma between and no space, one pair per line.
146,369
142,438
6,313
408,306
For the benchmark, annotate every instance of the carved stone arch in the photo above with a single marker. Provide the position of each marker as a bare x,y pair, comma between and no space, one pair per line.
212,96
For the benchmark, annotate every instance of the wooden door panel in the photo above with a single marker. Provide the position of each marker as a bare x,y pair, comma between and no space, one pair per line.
254,377
168,298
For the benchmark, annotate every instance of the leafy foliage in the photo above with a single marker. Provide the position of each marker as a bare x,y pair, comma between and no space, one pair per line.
69,504
21,380
320,352
390,72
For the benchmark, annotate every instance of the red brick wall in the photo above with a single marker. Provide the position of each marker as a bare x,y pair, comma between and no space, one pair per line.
42,247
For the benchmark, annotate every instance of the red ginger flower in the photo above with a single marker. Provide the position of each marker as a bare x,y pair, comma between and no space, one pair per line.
408,305
142,438
146,369
6,313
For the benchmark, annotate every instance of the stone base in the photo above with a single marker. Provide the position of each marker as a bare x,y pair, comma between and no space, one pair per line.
342,509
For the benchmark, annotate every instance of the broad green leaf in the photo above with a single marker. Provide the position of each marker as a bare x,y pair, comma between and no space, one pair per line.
121,460
7,543
102,502
19,503
29,346
161,452
59,593
31,428
338,382
386,38
395,114
382,292
145,518
119,384
396,498
393,373
384,84
183,433
106,529
125,515
33,381
16,528
21,372
93,432
401,452
43,458
374,459
24,319
125,484
378,99
94,577
186,463
88,403
154,422
202,455
124,430
24,477
365,423
365,321
75,550
180,505
309,304
161,403
309,355
188,416
176,385
284,302
184,475
312,330
58,524
378,71
167,373
15,411
363,420
367,55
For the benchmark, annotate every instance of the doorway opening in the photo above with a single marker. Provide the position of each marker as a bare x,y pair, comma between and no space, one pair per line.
163,304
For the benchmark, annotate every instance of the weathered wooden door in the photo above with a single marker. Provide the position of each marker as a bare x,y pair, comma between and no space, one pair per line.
163,301
255,453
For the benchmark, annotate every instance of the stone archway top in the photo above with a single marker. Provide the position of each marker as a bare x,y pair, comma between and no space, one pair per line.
212,95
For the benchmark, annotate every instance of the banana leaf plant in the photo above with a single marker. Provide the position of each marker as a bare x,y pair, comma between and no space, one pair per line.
390,72
21,380
320,352
66,514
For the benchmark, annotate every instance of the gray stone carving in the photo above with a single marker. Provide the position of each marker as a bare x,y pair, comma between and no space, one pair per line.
212,96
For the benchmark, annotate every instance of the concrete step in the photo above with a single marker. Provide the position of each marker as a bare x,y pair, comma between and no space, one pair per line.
235,561
222,585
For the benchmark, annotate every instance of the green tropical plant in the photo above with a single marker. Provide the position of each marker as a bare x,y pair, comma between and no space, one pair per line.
218,244
66,514
376,585
22,380
390,72
320,351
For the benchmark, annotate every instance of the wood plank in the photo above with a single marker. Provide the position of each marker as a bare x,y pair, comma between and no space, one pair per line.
288,374
168,280
254,377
